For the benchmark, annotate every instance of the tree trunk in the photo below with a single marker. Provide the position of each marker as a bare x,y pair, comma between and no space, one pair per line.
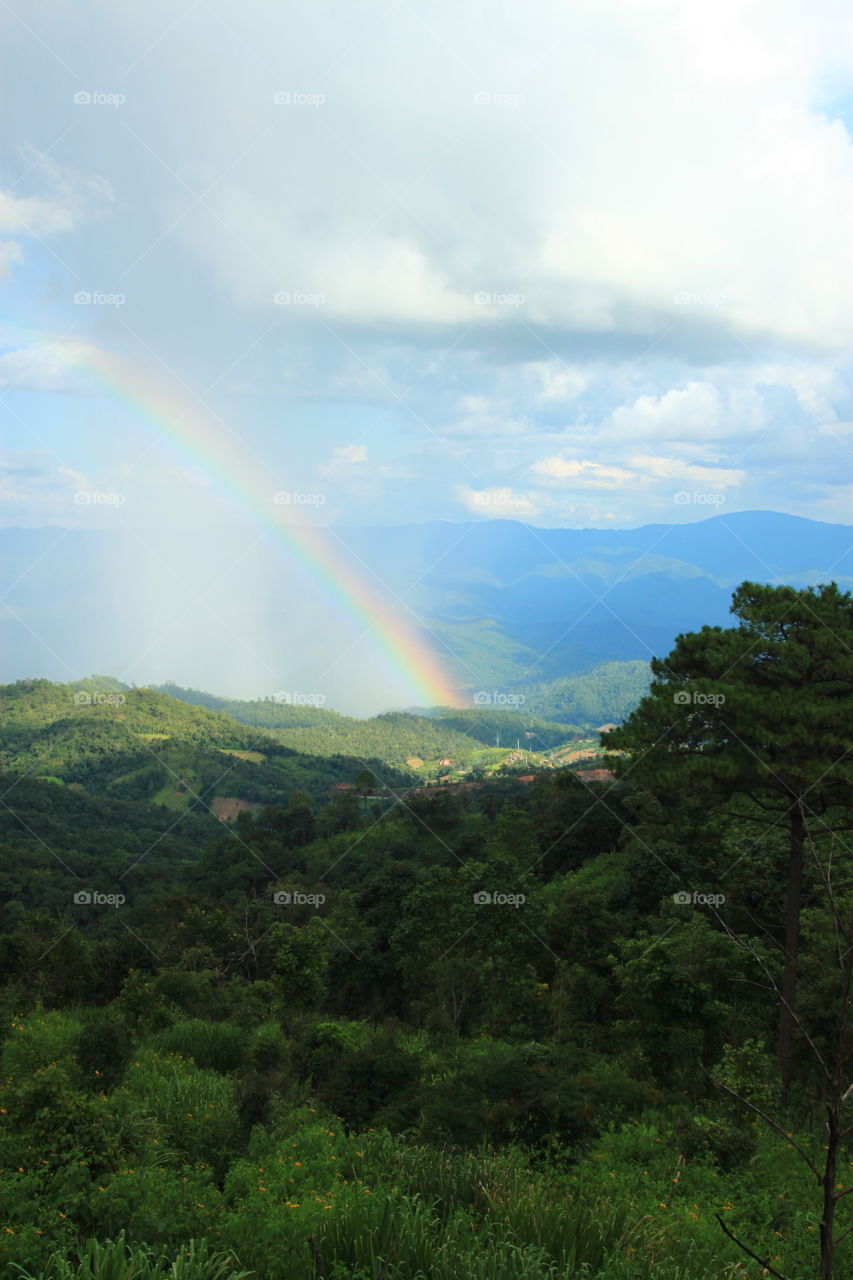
785,1044
830,1172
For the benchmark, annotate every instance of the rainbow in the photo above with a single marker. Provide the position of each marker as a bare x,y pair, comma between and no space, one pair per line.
201,439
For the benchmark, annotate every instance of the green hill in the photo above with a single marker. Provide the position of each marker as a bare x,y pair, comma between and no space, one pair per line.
141,744
399,738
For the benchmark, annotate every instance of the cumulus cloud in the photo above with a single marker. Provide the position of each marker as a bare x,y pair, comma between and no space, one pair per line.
68,198
625,162
572,254
582,472
42,366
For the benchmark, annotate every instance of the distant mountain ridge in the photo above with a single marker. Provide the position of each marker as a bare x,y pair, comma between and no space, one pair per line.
533,605
512,607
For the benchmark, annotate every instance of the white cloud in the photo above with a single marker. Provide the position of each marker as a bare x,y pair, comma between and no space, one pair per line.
42,366
351,453
583,473
70,198
659,468
665,193
560,383
655,149
687,412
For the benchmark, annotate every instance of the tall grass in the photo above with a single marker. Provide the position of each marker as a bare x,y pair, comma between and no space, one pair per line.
116,1260
191,1107
219,1046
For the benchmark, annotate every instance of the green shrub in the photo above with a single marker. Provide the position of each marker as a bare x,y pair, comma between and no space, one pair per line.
102,1049
156,1204
38,1039
216,1045
192,1107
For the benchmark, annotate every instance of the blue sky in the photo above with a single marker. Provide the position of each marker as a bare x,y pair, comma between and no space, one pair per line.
560,263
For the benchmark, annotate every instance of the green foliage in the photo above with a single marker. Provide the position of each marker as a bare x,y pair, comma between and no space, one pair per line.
406,1080
217,1045
116,1260
192,1108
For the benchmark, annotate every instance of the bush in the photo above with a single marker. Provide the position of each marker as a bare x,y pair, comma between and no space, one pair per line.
192,1107
102,1049
216,1045
376,1082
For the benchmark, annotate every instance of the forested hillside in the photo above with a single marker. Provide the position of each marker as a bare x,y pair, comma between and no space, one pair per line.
541,1029
139,744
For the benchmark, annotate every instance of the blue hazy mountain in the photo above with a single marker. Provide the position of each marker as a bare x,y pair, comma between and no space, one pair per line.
511,605
565,600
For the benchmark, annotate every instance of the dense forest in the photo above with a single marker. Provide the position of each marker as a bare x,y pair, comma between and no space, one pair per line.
554,1029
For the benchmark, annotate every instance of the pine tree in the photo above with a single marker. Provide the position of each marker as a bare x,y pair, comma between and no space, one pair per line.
763,710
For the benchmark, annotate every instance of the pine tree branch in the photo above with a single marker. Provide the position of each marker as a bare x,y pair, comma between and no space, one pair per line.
761,1261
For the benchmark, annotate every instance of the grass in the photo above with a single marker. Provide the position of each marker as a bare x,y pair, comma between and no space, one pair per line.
116,1260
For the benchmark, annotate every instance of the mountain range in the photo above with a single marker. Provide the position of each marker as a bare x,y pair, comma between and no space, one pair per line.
511,606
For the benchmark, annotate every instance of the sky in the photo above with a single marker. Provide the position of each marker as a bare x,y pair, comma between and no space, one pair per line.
576,264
